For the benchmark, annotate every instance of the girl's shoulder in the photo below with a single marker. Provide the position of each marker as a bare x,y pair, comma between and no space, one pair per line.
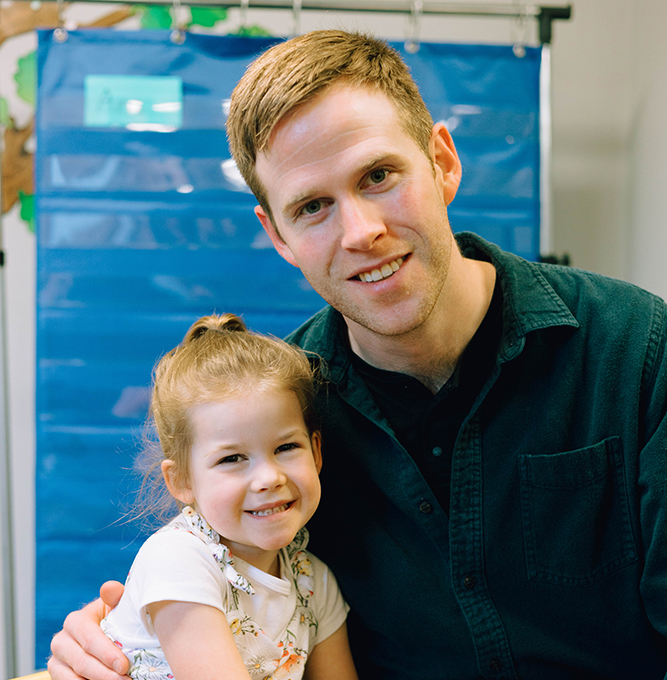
171,541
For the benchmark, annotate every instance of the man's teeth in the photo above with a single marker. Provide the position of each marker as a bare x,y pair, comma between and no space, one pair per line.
270,511
385,271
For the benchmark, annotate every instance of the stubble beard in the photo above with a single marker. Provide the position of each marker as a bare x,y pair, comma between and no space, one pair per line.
397,322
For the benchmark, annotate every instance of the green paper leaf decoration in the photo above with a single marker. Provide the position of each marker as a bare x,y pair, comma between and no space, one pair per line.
28,210
26,78
5,118
155,16
252,32
207,16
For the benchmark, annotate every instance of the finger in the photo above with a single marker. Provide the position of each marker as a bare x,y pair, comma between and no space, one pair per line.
59,671
83,646
111,592
71,662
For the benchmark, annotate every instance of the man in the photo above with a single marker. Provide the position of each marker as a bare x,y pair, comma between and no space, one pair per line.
495,444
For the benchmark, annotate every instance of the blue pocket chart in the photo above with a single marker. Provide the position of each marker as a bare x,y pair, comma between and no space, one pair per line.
144,225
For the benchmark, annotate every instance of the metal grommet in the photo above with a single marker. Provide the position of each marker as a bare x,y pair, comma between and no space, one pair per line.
177,36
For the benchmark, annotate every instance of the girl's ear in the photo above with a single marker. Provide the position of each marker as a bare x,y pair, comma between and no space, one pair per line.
316,445
176,484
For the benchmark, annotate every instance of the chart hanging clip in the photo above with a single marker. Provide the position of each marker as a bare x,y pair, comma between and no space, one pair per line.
412,43
60,33
243,15
178,32
296,17
520,26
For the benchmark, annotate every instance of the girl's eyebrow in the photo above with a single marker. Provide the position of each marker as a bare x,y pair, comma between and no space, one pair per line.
222,448
293,433
237,447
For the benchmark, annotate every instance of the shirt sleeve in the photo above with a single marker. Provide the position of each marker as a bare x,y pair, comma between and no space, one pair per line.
176,565
328,604
652,481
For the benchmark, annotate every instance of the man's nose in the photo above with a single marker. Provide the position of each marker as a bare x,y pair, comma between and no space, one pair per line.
361,224
268,475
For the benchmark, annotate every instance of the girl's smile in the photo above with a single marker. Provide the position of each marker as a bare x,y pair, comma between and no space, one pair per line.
271,510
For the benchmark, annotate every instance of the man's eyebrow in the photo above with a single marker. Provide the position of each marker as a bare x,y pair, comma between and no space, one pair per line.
298,199
305,196
374,162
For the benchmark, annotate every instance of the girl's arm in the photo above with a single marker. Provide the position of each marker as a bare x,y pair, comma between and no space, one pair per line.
197,642
330,659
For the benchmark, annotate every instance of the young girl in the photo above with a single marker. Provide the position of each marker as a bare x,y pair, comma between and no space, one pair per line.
226,591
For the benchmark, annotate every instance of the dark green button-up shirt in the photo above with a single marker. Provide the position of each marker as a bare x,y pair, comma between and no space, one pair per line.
551,560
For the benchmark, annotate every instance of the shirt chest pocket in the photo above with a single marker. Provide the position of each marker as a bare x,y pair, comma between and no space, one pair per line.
576,519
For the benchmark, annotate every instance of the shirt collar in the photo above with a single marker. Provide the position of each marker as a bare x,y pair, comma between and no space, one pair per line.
529,301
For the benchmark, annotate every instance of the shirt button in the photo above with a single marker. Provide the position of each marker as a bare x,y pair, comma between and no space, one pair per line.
425,507
495,665
469,582
436,451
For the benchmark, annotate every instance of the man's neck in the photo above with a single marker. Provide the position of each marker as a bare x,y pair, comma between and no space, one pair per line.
431,351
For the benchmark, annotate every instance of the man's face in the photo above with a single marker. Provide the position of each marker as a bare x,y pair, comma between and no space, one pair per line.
359,209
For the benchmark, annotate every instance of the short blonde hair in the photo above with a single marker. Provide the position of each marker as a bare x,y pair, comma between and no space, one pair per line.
293,72
218,359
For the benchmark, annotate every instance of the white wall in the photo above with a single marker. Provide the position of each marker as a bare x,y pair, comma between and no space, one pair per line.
19,298
591,105
19,246
609,181
646,235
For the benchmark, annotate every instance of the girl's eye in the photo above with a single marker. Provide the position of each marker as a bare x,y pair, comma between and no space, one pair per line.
287,447
233,458
378,176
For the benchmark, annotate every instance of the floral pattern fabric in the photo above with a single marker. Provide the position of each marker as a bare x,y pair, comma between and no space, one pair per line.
265,658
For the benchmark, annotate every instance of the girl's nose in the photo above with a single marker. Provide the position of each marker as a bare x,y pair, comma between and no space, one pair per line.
268,475
361,225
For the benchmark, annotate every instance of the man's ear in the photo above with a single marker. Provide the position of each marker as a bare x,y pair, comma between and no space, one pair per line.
277,240
446,161
176,484
316,445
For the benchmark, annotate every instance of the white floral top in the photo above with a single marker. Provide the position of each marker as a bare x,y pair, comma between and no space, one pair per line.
275,621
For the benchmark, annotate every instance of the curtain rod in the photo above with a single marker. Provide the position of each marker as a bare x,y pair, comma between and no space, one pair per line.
385,6
545,15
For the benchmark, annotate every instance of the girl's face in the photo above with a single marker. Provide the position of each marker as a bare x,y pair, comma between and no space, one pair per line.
253,472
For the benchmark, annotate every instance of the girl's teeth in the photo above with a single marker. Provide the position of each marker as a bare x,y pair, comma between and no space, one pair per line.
270,511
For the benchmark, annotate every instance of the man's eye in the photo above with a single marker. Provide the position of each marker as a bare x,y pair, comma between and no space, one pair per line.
378,176
312,207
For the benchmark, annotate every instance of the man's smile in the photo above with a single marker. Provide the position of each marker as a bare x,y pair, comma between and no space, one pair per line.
383,272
